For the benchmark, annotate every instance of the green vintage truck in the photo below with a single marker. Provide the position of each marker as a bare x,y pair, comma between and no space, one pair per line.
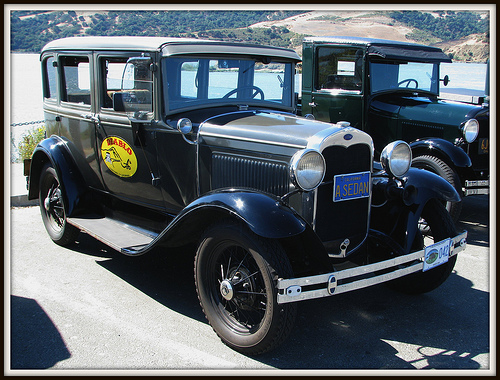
391,90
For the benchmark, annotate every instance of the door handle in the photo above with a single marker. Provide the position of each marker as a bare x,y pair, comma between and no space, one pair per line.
313,104
94,118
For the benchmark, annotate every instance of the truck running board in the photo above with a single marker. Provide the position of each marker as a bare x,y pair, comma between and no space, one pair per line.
121,236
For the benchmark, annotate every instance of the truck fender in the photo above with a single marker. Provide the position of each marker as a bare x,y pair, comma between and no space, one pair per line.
443,149
421,186
54,150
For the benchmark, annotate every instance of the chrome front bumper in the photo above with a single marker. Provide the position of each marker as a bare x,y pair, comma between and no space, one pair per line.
477,187
292,290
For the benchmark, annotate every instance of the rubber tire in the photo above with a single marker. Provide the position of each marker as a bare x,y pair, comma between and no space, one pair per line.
59,230
272,263
441,227
441,168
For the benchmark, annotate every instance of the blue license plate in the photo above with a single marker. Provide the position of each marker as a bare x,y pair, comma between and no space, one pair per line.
351,186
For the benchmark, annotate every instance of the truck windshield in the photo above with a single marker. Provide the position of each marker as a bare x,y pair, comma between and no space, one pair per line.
197,82
404,75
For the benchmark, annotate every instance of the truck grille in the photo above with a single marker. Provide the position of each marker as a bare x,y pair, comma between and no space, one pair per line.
337,221
235,171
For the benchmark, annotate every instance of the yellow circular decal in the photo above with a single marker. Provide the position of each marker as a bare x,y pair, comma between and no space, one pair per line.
119,156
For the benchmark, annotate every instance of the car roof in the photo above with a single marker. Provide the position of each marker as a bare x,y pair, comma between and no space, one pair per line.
168,46
387,48
366,41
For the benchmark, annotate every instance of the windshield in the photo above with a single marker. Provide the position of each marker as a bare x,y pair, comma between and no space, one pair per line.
198,82
404,75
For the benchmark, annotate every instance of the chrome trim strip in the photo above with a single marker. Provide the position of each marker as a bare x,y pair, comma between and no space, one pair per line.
217,135
477,191
330,279
481,182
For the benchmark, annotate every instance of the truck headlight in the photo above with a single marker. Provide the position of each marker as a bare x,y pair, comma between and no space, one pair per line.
396,158
470,130
307,169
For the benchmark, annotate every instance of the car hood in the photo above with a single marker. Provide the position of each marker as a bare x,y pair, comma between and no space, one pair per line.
427,110
276,128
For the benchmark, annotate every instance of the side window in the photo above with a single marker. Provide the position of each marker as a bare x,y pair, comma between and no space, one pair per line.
112,70
50,79
339,68
76,79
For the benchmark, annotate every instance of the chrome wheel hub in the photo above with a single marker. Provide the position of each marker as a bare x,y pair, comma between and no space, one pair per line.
226,290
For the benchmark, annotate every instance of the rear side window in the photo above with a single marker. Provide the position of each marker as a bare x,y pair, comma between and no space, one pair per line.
76,79
50,76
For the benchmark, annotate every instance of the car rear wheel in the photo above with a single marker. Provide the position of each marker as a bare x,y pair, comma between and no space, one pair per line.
441,168
236,273
52,208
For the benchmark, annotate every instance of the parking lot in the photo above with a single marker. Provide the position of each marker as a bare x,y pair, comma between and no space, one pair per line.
89,308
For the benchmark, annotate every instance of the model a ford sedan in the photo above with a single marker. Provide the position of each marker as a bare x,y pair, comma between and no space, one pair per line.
391,90
162,142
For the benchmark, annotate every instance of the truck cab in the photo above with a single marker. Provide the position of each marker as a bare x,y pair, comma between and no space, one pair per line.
391,90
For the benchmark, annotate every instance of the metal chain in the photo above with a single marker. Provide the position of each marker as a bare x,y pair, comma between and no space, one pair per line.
27,123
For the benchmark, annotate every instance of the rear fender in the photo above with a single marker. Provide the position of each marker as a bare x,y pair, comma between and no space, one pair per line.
55,150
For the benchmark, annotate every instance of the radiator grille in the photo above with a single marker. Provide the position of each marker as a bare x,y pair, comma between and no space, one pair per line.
234,171
337,221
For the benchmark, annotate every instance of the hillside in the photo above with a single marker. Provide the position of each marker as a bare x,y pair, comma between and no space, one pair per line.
462,35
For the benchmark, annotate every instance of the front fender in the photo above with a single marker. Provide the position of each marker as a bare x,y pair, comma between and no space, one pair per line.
265,214
421,185
443,149
404,203
54,150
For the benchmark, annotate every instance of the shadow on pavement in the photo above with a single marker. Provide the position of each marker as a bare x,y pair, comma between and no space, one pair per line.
35,341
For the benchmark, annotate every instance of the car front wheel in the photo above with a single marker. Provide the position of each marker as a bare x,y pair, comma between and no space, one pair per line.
434,225
236,273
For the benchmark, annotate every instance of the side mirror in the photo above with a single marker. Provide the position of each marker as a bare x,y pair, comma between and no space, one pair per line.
445,80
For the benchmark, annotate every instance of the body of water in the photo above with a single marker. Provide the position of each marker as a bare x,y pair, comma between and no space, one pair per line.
26,87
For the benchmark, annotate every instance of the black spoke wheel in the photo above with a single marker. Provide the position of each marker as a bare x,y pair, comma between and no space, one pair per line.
434,225
52,208
236,273
441,168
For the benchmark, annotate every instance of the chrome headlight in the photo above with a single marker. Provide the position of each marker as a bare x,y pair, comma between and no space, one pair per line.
396,158
307,169
470,130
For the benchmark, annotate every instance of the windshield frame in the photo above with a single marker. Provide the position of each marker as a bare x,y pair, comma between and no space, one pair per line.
384,76
202,94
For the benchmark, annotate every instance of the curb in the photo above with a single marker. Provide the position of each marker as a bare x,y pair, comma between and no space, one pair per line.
22,201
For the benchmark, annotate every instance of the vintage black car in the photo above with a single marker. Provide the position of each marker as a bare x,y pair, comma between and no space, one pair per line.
156,143
391,90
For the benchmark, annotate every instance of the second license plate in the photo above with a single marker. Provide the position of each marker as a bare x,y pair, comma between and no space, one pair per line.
351,186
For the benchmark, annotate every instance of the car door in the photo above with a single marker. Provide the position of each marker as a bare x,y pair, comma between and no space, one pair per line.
126,150
337,91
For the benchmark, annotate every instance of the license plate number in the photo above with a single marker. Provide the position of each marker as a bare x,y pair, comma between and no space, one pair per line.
483,146
351,186
436,254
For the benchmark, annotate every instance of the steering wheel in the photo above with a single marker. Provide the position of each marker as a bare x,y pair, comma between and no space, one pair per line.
409,80
258,91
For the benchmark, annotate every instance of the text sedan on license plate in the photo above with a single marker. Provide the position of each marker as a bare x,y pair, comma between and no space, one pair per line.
351,186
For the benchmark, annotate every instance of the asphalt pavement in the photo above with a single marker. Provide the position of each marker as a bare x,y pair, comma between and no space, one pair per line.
87,308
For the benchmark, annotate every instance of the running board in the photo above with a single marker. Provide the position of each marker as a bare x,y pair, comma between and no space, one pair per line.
123,237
